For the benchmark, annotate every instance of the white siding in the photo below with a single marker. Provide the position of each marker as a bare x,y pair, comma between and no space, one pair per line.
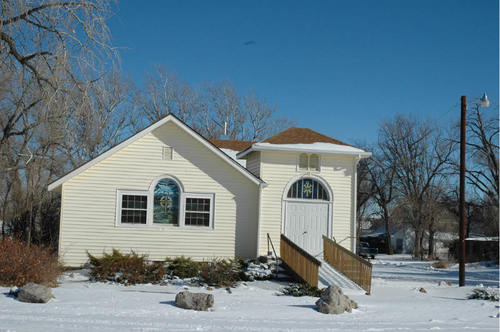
89,202
253,163
279,168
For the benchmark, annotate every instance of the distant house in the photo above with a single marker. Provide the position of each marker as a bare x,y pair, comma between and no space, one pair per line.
403,240
167,191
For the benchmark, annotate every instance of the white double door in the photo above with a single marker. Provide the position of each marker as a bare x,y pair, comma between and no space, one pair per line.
305,223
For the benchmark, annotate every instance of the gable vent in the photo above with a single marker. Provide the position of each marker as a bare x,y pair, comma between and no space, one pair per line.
168,153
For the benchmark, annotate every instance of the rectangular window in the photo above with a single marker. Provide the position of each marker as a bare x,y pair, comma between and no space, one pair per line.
198,210
309,162
313,162
134,209
303,161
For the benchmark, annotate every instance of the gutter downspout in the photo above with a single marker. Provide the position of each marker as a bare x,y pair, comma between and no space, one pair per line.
354,207
259,207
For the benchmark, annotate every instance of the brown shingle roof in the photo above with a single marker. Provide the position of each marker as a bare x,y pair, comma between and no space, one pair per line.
301,136
231,144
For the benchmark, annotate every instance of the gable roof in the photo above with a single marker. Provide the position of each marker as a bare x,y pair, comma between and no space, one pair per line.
231,144
296,135
304,140
169,118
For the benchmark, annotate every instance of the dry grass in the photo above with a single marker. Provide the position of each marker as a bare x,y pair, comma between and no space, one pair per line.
21,263
442,264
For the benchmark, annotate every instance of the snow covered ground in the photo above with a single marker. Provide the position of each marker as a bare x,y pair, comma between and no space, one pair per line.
395,305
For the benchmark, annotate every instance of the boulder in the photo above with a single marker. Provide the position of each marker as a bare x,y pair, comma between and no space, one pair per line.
34,293
194,301
333,301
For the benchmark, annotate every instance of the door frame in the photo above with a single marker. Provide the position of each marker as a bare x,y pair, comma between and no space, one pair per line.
325,185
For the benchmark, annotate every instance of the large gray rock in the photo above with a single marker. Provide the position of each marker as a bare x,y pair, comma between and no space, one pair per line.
34,293
333,301
194,301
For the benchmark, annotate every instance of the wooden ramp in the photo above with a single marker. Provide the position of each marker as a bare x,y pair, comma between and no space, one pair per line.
330,276
347,263
338,266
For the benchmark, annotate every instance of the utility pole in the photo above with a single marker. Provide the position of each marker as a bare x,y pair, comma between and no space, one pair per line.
461,265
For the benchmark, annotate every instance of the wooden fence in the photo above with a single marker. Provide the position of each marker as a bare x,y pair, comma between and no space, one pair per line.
351,265
302,263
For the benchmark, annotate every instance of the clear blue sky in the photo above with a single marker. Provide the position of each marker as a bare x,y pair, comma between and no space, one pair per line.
338,67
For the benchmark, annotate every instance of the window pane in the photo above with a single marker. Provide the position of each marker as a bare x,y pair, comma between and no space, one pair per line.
307,189
197,212
134,202
197,219
324,195
303,161
197,204
166,203
314,162
133,217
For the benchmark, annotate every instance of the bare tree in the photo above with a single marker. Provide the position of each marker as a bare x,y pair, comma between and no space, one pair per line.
420,157
382,175
48,50
212,110
164,93
482,141
100,118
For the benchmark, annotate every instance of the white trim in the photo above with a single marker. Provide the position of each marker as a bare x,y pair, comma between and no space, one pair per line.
354,205
118,214
54,185
157,179
325,184
275,147
259,215
209,196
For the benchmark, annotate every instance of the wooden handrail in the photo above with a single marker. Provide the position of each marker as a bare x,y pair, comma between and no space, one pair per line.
302,251
353,255
299,261
351,265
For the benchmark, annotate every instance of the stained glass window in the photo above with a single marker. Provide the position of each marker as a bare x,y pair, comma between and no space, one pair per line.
166,202
307,189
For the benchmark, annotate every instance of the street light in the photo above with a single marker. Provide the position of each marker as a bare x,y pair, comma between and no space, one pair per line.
484,102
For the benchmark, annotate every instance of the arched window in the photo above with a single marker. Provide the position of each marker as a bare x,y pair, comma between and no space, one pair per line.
307,189
166,202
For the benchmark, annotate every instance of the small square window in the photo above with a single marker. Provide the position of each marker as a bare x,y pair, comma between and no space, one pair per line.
134,209
168,153
198,211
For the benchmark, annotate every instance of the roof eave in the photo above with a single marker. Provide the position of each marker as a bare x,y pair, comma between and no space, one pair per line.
361,154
